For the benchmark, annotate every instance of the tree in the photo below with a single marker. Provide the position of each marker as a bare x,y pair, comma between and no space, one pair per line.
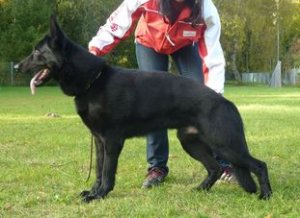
233,36
249,32
291,40
86,17
20,28
23,23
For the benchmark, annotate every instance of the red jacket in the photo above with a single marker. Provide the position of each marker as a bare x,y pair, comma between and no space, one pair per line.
153,30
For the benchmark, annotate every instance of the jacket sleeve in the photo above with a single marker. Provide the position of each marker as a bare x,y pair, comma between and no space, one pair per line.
210,49
118,27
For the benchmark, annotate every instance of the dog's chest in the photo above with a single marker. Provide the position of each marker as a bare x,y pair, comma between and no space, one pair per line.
90,112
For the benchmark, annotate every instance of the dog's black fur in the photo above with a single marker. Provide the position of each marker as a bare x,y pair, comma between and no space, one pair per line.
116,103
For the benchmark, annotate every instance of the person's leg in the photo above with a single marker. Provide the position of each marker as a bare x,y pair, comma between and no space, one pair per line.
157,142
189,64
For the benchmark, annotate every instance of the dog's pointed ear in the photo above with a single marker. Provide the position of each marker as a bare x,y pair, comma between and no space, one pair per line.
56,33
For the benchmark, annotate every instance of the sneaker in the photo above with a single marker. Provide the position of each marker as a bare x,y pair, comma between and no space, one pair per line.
155,176
228,176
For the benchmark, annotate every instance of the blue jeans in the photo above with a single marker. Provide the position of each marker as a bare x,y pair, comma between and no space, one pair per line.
189,64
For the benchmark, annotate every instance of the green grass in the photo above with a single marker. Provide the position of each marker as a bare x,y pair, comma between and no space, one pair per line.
44,162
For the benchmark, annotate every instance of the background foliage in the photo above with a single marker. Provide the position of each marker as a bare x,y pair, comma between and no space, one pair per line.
249,35
249,31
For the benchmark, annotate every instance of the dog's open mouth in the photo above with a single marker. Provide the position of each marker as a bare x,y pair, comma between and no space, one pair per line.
40,78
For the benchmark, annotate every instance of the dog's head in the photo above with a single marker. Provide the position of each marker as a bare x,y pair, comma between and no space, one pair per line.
45,58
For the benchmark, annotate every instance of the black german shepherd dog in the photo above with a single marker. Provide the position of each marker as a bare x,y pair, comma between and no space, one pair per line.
117,103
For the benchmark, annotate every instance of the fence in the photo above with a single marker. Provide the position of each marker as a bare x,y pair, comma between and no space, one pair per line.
292,77
8,76
288,78
262,77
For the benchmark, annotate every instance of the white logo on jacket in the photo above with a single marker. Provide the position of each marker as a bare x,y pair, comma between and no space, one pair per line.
187,33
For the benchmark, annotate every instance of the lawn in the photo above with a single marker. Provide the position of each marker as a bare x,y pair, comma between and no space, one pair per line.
45,160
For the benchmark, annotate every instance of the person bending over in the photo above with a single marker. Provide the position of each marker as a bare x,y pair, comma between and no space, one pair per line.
188,31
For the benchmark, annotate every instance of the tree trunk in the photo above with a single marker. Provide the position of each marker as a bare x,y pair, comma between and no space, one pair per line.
235,70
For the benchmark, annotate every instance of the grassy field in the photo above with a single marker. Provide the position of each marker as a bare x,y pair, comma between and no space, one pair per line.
44,162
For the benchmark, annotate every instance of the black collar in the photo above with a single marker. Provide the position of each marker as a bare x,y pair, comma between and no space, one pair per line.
92,81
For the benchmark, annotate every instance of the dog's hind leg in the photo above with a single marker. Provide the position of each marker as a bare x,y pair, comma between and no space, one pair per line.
99,144
244,178
259,168
111,150
244,164
196,148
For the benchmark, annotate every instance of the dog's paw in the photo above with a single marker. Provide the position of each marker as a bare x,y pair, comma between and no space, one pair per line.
84,193
88,196
91,197
203,187
265,196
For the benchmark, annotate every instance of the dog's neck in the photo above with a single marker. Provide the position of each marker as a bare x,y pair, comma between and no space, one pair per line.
79,69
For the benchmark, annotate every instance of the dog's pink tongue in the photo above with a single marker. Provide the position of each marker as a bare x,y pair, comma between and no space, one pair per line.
32,86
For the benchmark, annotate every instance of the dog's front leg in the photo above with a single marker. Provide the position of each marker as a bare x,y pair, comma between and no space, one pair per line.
106,176
99,166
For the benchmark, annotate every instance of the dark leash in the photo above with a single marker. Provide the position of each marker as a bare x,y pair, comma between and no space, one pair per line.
91,158
92,137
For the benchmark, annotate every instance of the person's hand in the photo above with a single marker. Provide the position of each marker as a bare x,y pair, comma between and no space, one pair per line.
93,52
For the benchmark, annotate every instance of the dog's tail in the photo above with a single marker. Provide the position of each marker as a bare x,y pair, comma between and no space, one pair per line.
245,179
